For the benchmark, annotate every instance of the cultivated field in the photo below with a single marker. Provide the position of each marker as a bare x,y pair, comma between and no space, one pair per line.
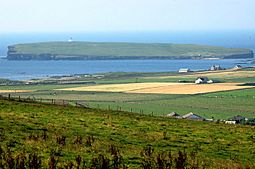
123,93
15,91
162,88
120,87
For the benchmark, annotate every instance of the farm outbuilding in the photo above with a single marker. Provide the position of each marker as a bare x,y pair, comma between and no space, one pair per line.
216,67
193,116
184,70
238,119
173,115
203,80
238,67
230,122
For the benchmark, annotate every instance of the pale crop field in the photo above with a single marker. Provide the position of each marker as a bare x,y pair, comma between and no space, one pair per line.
162,88
193,88
16,91
119,87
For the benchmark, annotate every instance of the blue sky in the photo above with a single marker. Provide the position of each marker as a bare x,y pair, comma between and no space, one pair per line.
125,15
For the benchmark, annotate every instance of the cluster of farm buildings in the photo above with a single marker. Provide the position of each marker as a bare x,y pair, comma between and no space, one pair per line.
213,68
191,116
205,80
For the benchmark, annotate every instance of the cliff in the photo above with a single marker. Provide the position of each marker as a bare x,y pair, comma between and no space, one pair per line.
105,50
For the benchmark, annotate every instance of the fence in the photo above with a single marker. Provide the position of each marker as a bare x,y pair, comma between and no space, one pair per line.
75,103
60,102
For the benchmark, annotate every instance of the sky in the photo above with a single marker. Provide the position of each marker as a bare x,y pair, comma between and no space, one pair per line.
125,15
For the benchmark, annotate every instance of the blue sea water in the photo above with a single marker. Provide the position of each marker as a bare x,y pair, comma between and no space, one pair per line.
20,70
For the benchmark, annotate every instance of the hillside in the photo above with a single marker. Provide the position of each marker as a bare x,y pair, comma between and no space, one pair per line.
62,134
107,50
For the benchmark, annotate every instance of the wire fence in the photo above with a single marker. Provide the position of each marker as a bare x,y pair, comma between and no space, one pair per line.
75,103
60,102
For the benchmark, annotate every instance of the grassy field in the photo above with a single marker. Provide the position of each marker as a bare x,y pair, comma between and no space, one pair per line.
207,105
66,132
220,105
107,50
64,135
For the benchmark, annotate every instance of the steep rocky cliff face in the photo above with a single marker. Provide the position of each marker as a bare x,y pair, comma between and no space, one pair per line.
13,54
249,54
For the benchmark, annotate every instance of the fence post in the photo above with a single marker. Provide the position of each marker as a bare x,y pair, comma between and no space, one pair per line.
9,96
19,97
52,101
131,110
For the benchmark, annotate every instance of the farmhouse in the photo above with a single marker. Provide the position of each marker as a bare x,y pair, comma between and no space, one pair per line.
184,70
203,80
238,67
193,116
238,119
216,67
173,115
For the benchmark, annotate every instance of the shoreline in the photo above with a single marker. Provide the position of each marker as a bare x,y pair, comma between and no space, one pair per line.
33,69
129,59
98,76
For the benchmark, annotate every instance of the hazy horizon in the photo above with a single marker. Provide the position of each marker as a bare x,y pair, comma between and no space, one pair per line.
125,16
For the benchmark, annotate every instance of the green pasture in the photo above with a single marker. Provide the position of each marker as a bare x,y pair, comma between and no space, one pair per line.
23,125
219,105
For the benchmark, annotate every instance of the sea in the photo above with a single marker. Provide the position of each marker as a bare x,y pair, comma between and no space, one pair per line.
24,70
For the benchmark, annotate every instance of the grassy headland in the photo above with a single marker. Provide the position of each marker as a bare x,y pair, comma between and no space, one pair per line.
114,50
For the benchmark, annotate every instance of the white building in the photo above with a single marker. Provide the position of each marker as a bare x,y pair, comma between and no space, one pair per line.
184,70
203,80
216,67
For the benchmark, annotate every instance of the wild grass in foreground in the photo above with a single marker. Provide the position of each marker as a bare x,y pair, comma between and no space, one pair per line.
49,135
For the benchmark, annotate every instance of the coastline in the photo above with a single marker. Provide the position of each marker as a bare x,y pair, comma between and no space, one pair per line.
29,69
81,50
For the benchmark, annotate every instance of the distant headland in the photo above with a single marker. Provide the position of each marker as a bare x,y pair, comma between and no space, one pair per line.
74,50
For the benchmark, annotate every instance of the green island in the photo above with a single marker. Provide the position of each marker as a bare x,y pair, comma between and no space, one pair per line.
115,50
67,122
